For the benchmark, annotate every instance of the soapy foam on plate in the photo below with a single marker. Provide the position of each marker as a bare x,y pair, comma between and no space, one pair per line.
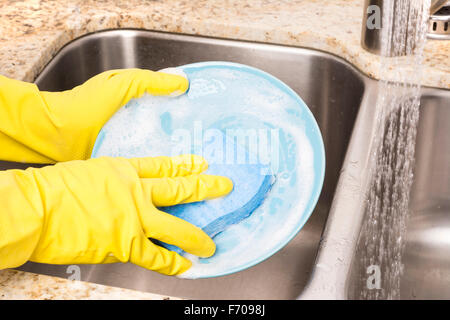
227,99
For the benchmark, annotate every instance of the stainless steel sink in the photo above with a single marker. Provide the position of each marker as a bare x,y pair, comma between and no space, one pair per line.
427,253
332,89
317,263
337,272
426,257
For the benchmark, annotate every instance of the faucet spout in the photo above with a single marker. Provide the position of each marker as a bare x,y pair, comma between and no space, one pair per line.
436,5
406,17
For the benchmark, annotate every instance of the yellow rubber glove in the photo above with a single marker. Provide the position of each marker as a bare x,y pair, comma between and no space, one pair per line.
104,210
47,127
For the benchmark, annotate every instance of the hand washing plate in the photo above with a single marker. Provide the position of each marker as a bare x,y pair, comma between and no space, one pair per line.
240,101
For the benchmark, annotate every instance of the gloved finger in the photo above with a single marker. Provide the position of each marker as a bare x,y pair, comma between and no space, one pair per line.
114,88
164,227
172,83
182,165
192,188
140,81
150,256
176,71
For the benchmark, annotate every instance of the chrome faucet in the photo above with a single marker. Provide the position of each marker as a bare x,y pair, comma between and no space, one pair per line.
371,28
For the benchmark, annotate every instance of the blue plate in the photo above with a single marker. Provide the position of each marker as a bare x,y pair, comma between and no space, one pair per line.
264,116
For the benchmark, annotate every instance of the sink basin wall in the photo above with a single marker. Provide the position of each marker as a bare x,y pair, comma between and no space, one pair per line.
427,252
331,88
426,257
337,272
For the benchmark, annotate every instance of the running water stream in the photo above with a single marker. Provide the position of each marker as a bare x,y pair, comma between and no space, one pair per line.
382,238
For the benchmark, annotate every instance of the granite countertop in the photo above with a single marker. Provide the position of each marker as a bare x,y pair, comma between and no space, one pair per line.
19,285
32,31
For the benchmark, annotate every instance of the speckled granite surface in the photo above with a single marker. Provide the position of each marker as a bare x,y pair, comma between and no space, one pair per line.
23,285
32,31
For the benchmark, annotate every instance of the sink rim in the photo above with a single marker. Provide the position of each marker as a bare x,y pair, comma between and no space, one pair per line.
198,38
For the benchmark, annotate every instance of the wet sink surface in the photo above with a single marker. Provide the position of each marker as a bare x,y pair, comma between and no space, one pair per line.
426,258
331,88
427,252
338,272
